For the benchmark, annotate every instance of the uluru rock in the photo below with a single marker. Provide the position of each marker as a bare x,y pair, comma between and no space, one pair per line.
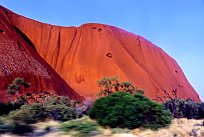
82,55
19,58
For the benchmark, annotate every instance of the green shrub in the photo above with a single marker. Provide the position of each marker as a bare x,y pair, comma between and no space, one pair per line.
185,108
123,110
59,108
191,109
54,107
20,120
81,127
28,114
176,107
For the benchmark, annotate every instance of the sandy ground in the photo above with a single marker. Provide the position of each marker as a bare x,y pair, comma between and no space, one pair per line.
179,128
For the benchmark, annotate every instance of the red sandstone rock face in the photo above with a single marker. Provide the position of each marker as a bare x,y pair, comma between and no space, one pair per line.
82,55
18,58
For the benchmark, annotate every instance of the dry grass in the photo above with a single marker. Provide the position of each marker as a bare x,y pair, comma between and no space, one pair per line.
178,128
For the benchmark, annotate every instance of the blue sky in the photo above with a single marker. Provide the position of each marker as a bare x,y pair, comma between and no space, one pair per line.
177,26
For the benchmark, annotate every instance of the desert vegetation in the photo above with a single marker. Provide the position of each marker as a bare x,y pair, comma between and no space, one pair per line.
20,121
22,110
120,107
185,108
109,85
123,110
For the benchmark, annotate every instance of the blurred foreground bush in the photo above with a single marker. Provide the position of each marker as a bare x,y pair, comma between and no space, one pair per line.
83,127
7,125
52,107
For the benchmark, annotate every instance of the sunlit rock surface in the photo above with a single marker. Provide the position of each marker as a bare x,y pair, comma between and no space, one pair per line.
18,58
82,55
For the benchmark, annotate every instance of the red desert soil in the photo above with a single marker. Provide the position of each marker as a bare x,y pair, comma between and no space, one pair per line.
18,58
82,55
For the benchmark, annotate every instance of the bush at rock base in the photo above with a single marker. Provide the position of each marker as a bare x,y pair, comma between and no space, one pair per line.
54,107
124,110
59,108
185,108
28,114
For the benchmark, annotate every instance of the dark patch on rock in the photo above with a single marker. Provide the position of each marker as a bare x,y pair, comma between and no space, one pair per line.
109,55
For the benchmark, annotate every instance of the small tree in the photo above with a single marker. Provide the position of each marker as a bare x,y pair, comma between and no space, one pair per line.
15,88
110,85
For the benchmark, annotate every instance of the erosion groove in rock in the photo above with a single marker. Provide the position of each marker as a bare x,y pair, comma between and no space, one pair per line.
18,58
82,55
